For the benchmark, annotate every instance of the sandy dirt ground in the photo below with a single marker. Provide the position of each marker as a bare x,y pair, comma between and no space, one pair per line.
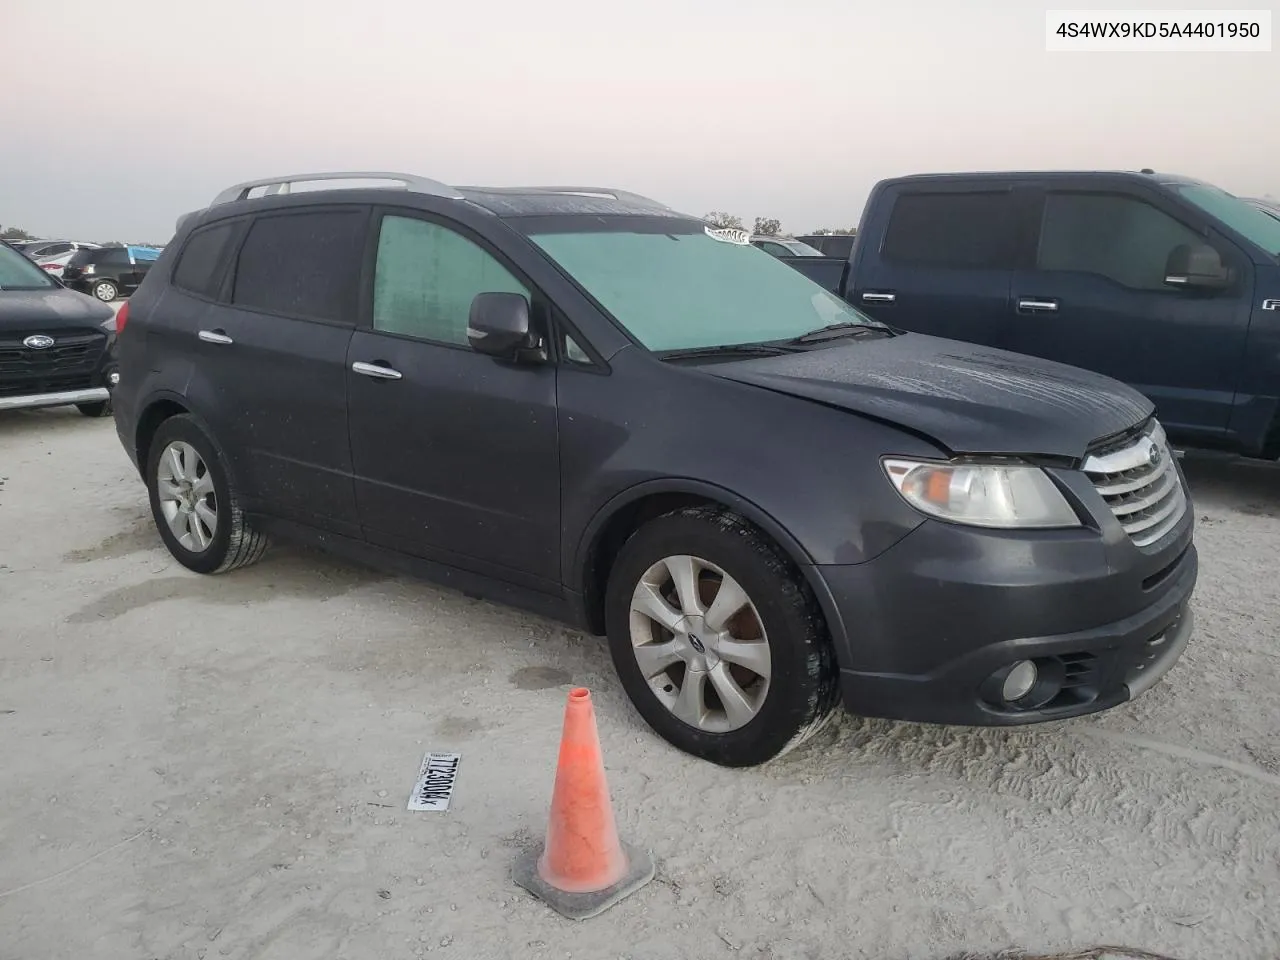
209,767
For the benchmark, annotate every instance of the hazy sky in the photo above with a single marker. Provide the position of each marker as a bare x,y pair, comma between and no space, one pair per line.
116,118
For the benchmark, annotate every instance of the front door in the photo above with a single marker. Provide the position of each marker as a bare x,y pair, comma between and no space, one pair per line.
456,455
1096,298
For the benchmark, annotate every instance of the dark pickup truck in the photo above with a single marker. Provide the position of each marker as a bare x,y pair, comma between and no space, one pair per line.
1166,283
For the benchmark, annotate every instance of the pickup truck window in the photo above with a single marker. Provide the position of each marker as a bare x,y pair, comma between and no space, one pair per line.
1246,219
1112,235
964,230
19,273
683,289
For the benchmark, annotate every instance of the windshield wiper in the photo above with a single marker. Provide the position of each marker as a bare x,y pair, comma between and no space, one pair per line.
725,350
834,331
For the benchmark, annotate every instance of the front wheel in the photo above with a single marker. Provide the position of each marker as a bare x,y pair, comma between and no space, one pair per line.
193,503
717,640
106,290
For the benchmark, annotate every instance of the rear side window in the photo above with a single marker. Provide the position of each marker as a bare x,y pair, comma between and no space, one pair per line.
201,264
966,230
304,264
1119,237
426,277
112,257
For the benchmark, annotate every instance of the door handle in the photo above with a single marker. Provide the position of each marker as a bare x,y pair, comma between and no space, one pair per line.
376,370
879,297
214,336
1037,306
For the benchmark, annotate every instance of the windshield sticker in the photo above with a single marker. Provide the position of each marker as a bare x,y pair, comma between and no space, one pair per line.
729,235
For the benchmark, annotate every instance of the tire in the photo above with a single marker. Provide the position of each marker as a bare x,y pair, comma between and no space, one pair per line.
786,696
226,542
99,408
105,290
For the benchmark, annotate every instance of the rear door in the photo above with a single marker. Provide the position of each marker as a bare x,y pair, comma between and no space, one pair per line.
456,455
1095,297
269,359
945,261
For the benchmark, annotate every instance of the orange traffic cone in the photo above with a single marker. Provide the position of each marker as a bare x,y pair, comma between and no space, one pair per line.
583,868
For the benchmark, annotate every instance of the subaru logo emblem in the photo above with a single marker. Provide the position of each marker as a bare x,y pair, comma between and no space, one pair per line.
697,644
38,342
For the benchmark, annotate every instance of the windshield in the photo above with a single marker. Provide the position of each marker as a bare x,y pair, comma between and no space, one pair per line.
682,289
19,273
1244,218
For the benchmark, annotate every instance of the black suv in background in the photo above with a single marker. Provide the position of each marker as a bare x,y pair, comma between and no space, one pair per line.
56,346
107,272
578,400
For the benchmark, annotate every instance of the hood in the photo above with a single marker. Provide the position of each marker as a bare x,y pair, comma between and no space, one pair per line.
966,398
58,308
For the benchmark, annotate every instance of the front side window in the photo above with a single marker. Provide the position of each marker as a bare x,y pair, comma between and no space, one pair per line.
19,273
674,286
304,264
1119,237
426,277
959,230
1246,219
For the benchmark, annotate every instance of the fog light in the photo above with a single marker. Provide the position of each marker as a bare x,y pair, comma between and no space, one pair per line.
1019,681
114,378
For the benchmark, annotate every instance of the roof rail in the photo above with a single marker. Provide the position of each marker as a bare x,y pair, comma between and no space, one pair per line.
604,193
276,185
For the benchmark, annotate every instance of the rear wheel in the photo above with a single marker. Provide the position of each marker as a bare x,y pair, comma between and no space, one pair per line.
717,640
194,505
105,290
100,408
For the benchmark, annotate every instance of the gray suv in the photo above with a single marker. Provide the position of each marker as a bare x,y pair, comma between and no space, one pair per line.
583,402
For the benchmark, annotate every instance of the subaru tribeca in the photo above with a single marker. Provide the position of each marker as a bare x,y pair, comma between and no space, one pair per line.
582,402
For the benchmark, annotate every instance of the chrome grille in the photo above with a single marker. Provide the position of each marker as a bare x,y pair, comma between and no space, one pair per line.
1140,483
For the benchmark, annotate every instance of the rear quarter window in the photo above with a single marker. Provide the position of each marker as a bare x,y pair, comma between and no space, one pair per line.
203,260
304,264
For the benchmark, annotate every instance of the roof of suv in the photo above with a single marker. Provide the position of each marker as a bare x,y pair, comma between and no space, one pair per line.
500,201
1049,175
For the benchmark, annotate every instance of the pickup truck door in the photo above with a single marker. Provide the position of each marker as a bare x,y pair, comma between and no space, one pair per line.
1092,294
456,455
942,261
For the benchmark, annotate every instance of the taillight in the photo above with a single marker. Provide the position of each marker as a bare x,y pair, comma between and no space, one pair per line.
50,266
122,317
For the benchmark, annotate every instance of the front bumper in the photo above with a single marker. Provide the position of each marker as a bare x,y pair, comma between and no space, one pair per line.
60,399
922,629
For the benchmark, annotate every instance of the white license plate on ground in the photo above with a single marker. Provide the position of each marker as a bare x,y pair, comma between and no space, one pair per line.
436,779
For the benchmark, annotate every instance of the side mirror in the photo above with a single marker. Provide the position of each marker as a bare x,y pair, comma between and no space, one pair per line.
498,326
1198,266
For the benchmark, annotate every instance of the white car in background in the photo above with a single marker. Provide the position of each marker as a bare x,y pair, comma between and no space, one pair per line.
53,255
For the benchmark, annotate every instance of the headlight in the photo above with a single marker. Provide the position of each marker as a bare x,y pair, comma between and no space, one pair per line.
982,494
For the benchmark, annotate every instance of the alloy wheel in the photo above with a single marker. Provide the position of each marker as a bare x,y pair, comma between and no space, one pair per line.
700,643
187,497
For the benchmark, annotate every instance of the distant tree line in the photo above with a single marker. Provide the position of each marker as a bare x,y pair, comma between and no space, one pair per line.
768,226
17,233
